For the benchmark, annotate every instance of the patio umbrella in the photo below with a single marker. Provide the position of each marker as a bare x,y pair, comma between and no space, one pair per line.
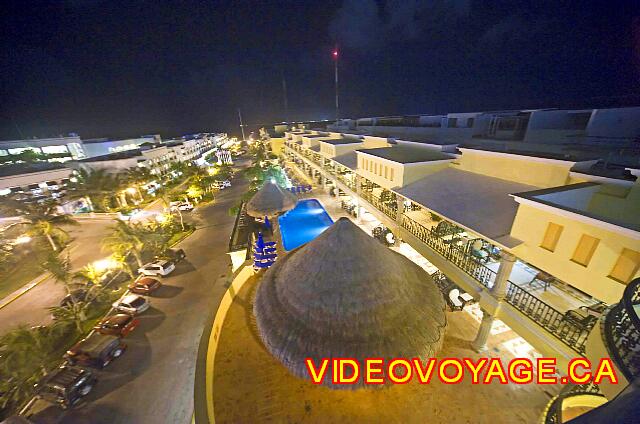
345,295
270,200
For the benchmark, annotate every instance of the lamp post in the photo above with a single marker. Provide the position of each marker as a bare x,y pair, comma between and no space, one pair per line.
335,60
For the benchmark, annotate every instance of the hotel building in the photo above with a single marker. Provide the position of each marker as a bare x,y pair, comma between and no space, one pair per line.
534,214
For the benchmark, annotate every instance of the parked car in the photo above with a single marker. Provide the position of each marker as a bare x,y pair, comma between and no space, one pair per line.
144,285
221,185
127,215
158,267
77,295
174,255
65,386
117,325
185,206
96,350
132,304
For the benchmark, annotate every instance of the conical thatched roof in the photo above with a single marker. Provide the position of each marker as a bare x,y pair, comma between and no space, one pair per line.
346,295
270,200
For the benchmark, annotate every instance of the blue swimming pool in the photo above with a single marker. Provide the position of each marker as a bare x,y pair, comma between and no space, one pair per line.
303,223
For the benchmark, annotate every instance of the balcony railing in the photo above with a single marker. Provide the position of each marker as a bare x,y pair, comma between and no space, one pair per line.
621,330
379,204
553,411
240,235
570,332
450,251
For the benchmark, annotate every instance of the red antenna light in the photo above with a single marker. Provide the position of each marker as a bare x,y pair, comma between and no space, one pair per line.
335,53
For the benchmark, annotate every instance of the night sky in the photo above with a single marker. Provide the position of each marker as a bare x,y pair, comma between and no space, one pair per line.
107,68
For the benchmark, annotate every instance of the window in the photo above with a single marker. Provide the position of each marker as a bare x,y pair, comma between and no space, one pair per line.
375,167
386,172
626,266
470,122
391,174
584,251
551,236
453,123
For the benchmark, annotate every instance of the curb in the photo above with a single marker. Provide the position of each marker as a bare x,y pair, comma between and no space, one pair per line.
7,300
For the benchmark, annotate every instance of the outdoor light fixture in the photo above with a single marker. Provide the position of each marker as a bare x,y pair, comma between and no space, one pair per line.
23,239
131,190
104,264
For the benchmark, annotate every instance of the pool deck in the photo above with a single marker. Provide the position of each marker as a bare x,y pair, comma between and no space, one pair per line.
249,385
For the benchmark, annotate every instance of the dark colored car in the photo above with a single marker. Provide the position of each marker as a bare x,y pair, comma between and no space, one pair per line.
78,295
175,255
65,386
97,350
117,325
144,285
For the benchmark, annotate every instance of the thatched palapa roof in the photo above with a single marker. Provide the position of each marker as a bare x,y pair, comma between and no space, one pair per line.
270,200
346,295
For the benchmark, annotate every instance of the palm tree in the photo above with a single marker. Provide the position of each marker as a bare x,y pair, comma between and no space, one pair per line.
59,269
25,354
97,186
138,176
124,239
41,219
167,206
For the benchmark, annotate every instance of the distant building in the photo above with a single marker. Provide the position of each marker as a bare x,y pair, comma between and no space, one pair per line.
60,148
103,146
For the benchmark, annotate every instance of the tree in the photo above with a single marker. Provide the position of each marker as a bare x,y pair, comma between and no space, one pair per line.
135,177
167,207
123,239
97,186
42,219
25,354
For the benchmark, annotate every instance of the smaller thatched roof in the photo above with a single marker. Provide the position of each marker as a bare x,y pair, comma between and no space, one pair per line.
270,200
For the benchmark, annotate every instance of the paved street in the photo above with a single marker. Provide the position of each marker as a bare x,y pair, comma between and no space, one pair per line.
31,308
153,381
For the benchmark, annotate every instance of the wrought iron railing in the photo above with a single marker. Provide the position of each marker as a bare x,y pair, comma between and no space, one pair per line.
239,238
621,330
450,251
553,411
379,204
567,330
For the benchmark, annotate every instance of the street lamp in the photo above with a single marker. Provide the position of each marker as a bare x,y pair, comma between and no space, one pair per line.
23,239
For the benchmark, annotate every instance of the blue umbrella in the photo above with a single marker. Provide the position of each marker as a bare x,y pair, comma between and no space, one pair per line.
260,242
267,224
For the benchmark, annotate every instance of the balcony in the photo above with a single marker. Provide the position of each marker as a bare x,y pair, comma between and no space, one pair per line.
621,330
572,402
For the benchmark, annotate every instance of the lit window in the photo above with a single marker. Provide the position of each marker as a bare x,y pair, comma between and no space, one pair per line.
585,249
551,236
626,266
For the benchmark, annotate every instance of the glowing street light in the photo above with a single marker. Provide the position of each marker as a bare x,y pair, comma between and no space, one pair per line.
131,190
105,264
23,239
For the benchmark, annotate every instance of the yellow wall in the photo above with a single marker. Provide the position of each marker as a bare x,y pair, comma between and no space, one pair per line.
538,172
403,174
371,142
277,144
530,225
387,183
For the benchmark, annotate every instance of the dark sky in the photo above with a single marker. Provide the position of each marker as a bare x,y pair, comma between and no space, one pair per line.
124,68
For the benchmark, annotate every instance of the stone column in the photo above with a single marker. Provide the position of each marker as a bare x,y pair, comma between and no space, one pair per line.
499,289
480,342
400,203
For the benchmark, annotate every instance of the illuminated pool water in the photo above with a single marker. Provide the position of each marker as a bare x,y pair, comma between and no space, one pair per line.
303,223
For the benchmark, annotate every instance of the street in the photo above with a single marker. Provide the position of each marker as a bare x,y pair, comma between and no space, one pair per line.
31,308
153,381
